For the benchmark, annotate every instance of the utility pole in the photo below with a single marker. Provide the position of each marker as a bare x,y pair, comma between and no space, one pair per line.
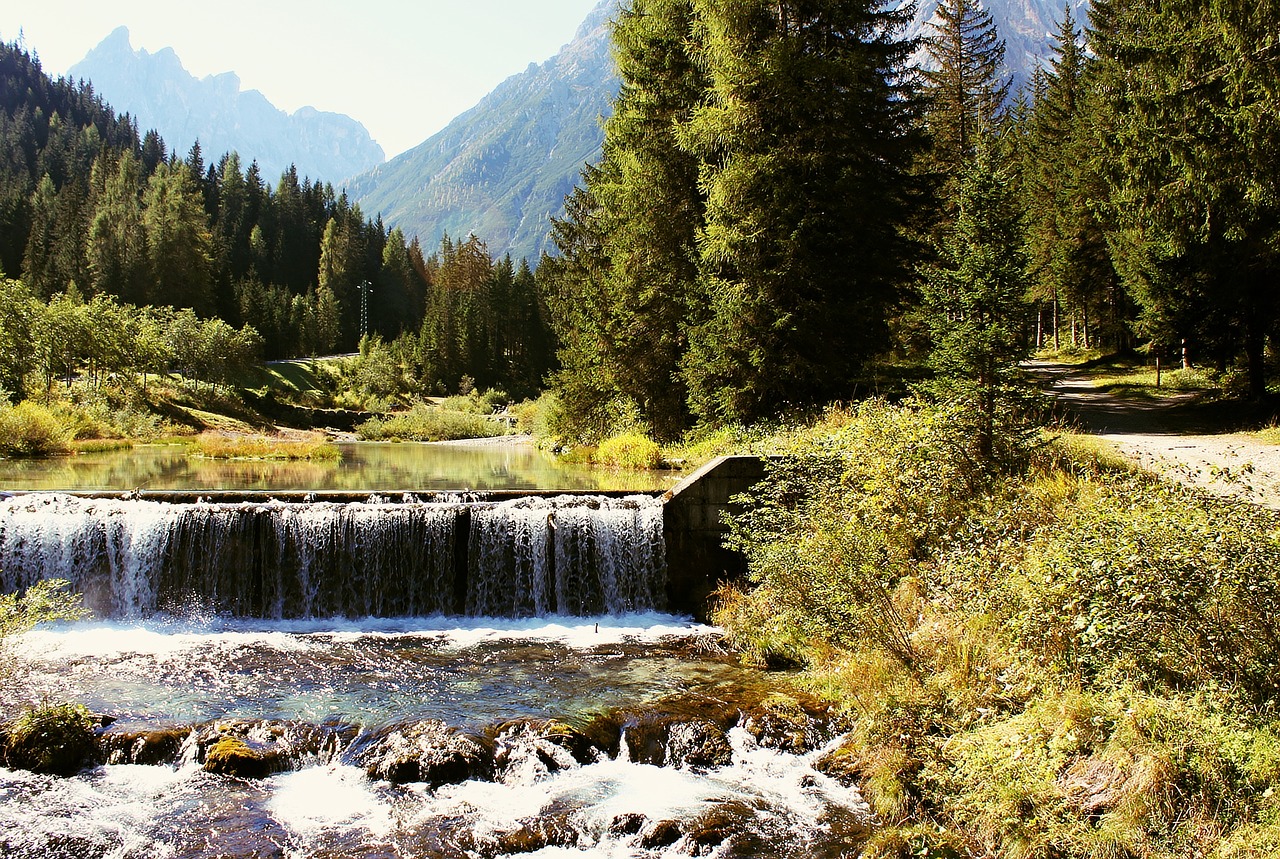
365,288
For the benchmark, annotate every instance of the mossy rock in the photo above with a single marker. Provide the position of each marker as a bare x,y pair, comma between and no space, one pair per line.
234,757
52,740
144,748
428,751
545,744
794,724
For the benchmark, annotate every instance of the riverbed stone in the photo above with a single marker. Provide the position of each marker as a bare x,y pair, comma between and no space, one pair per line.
661,833
53,740
160,747
697,745
256,748
427,751
790,723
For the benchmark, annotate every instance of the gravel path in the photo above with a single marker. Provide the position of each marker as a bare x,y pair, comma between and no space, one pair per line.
1175,436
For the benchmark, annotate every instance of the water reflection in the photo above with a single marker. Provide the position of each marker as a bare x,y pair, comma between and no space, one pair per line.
364,466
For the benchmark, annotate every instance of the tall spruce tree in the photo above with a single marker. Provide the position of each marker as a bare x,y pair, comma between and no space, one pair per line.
965,82
646,209
1071,274
975,294
803,138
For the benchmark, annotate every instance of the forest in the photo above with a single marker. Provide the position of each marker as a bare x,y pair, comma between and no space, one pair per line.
96,213
785,206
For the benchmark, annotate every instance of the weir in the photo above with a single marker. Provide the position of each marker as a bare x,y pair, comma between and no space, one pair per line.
285,555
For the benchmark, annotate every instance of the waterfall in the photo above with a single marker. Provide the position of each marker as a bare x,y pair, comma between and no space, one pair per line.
519,558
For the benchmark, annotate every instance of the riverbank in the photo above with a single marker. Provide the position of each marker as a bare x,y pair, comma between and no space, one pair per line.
1069,658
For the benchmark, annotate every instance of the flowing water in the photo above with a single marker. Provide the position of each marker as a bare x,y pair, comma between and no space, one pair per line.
339,636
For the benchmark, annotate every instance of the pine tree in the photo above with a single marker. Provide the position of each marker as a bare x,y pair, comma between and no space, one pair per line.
1071,270
974,293
178,240
116,249
965,82
623,299
1191,150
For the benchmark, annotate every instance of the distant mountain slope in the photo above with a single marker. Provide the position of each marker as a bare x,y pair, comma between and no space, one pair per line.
163,95
502,169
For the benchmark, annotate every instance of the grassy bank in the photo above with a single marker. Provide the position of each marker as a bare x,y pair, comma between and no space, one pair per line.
1065,659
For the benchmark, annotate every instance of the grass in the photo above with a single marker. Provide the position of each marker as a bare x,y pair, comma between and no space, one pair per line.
629,450
1268,435
220,446
1140,382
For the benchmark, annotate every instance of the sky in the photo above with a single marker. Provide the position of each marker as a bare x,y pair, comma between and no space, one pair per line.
404,68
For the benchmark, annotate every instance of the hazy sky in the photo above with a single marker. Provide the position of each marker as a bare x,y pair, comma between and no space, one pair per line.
404,68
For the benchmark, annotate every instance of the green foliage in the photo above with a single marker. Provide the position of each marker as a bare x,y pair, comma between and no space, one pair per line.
834,534
429,423
45,601
31,430
1074,661
1158,584
974,295
629,450
55,738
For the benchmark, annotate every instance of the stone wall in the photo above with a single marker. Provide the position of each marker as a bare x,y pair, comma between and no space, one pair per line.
694,529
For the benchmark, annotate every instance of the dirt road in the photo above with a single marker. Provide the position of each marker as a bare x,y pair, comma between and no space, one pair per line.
1177,437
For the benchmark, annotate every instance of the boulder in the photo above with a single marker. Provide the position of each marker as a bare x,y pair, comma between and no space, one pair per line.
161,747
57,739
254,748
426,751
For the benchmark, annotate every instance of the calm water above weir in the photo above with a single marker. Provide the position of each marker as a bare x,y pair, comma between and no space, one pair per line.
372,466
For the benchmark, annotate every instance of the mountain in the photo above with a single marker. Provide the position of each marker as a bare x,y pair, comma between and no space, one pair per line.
161,94
502,169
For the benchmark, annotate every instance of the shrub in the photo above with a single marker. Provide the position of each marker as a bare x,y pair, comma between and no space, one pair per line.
31,430
1160,584
629,450
428,423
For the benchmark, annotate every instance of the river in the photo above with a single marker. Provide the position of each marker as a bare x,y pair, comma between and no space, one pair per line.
577,718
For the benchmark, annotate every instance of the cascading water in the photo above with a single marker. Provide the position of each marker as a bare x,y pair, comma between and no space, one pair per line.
521,558
449,677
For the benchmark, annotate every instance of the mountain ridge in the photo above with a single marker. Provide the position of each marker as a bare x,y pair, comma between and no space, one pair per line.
158,91
446,184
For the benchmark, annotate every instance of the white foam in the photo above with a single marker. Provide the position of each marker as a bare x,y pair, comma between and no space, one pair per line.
169,638
322,798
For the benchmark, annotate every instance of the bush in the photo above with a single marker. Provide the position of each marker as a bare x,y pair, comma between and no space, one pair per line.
629,450
1159,584
31,430
428,423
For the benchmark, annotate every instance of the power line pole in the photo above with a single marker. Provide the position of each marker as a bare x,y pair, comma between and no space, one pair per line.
365,288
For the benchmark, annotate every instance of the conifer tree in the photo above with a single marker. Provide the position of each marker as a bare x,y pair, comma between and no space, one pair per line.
179,243
803,139
1192,151
1070,264
965,82
974,291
